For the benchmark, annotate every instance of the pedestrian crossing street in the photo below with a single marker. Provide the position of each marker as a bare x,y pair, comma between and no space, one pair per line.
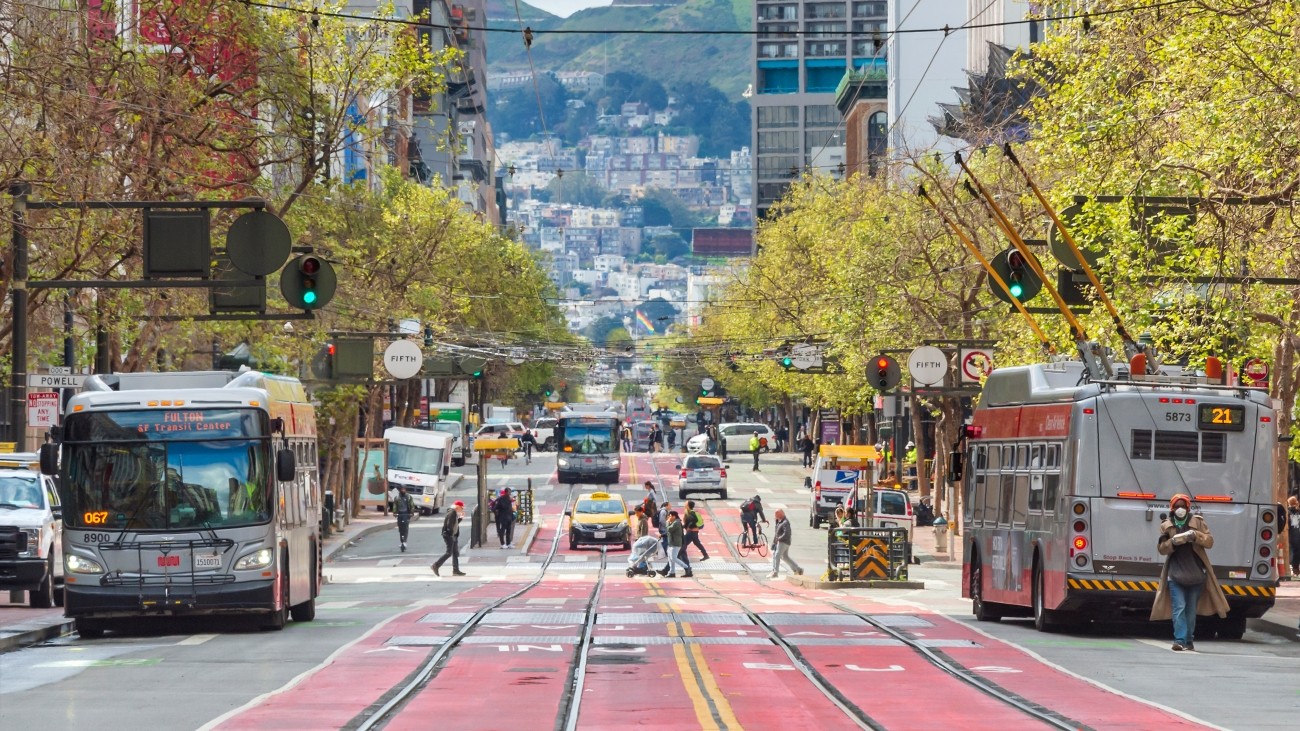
415,568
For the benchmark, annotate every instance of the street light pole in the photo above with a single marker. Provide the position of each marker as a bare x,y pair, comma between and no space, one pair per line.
18,295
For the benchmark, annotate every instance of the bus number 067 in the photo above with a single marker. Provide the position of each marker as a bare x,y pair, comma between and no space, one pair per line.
1177,416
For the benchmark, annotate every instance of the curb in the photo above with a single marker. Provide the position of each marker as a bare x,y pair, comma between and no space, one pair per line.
330,553
533,530
19,640
1273,627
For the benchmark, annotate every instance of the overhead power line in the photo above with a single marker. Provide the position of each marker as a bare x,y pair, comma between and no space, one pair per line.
533,33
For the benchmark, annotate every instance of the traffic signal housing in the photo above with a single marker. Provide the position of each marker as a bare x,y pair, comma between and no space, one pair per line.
787,363
1019,276
883,372
308,282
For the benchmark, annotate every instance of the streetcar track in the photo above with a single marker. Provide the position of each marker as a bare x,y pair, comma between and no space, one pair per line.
935,657
397,698
568,718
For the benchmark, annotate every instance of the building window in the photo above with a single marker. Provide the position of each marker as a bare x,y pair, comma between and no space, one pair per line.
778,80
778,50
817,140
778,166
869,10
778,30
877,141
769,117
778,12
820,11
825,30
823,115
770,142
825,49
771,192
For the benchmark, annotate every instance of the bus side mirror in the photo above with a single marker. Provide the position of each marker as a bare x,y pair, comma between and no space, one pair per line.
49,459
956,461
285,467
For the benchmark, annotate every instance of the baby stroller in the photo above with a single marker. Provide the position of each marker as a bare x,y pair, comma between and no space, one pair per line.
638,564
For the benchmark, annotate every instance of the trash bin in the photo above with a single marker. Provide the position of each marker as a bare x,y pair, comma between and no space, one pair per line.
327,514
940,535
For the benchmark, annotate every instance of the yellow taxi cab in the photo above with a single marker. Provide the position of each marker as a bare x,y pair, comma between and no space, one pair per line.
599,517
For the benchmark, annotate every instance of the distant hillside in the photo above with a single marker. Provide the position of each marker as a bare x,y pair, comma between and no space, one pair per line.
720,60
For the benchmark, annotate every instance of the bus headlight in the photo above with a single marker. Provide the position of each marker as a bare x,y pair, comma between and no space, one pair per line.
74,564
613,461
562,462
256,560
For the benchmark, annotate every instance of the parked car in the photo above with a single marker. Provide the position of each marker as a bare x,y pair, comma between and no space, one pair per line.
702,473
735,437
544,433
31,536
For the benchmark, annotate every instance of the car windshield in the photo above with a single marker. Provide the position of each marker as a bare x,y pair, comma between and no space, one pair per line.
407,458
893,503
701,463
599,506
587,439
447,428
19,492
145,470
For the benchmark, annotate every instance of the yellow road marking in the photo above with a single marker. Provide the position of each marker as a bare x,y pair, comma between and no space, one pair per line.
696,690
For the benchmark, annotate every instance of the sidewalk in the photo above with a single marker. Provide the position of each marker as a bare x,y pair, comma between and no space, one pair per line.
1282,620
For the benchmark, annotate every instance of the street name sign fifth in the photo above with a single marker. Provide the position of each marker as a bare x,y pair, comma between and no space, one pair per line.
402,359
928,365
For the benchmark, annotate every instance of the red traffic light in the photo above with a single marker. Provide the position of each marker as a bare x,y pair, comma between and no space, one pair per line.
882,363
1015,260
309,265
331,348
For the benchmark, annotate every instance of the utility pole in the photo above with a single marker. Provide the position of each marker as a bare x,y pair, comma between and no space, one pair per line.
18,296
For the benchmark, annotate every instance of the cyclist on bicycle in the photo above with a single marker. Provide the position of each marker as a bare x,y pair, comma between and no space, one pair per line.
751,512
527,441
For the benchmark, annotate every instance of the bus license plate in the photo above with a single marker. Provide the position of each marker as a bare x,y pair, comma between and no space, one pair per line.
207,562
598,534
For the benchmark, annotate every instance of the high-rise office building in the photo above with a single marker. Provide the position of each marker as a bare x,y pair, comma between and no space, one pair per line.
801,53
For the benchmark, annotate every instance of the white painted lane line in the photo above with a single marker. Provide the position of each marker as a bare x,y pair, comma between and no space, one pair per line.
195,640
336,605
761,478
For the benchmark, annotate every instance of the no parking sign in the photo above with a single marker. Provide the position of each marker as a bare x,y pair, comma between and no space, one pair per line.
975,364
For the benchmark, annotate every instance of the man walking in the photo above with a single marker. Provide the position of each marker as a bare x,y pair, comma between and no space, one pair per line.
781,547
403,507
692,523
1188,586
754,445
626,434
751,511
503,510
674,535
806,444
451,535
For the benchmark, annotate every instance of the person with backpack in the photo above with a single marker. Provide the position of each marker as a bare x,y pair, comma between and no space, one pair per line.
403,508
673,541
751,512
692,523
503,510
648,502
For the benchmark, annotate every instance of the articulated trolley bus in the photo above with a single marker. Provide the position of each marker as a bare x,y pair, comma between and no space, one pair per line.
189,493
1066,482
588,447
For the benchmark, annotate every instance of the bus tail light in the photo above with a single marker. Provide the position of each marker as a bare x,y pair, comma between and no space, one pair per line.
1265,552
1263,568
1266,517
1080,543
1080,508
1266,534
1213,498
1080,526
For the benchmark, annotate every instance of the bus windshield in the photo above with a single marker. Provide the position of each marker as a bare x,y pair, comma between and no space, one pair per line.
167,470
421,460
581,439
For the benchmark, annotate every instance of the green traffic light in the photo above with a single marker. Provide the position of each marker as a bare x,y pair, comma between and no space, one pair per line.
309,297
1016,289
478,373
787,362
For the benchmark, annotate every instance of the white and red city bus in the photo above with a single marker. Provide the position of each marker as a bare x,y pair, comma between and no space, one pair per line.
1066,481
189,493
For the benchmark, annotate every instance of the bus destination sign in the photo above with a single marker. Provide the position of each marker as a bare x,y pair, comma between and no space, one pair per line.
206,423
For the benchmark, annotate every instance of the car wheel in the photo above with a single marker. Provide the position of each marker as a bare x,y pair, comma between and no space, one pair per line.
681,494
42,597
627,545
549,444
722,495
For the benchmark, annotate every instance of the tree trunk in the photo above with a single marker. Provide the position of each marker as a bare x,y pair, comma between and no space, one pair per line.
918,438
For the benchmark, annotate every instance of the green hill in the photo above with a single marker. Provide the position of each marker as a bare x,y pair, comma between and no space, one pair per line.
720,60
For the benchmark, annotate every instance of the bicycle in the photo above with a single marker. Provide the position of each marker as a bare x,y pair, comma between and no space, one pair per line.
744,548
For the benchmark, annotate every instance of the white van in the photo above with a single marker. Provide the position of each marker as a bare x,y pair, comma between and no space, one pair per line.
31,535
420,460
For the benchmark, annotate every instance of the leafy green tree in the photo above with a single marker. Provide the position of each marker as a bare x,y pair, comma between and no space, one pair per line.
664,208
669,246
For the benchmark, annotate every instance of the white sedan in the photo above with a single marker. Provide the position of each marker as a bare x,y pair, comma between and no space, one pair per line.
698,444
